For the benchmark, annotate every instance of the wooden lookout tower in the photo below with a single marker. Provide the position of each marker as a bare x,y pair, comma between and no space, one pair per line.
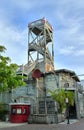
40,45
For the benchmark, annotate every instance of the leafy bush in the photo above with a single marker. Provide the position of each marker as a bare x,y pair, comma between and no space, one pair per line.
60,96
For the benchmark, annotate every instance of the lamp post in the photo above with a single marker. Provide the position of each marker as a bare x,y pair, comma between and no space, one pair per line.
67,110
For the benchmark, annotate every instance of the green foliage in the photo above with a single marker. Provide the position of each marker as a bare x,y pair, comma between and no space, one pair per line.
71,97
8,78
60,96
3,111
2,48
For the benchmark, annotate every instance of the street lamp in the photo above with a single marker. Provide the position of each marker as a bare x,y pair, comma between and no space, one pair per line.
67,110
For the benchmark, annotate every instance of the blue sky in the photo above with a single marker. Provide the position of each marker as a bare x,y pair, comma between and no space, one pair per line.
67,19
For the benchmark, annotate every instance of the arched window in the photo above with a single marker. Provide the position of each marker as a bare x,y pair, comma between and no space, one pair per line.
66,85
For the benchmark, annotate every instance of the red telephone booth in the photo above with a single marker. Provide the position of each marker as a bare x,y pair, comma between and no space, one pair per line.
19,112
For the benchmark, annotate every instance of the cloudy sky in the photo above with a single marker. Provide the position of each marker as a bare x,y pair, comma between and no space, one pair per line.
67,19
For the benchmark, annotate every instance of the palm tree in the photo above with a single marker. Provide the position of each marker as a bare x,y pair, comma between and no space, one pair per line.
60,96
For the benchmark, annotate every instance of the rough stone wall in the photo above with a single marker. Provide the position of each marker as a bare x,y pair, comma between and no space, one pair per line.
51,82
66,80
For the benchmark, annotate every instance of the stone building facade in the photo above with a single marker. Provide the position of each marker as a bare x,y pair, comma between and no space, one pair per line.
36,92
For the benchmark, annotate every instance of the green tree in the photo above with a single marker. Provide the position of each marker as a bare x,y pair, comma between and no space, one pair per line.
8,78
60,96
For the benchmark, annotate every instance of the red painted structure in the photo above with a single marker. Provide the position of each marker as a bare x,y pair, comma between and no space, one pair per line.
19,112
36,73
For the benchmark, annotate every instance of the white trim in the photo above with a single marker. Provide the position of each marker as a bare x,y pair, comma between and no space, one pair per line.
19,103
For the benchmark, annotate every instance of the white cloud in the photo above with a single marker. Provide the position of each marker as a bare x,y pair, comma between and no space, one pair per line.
69,50
60,66
15,41
22,4
79,53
